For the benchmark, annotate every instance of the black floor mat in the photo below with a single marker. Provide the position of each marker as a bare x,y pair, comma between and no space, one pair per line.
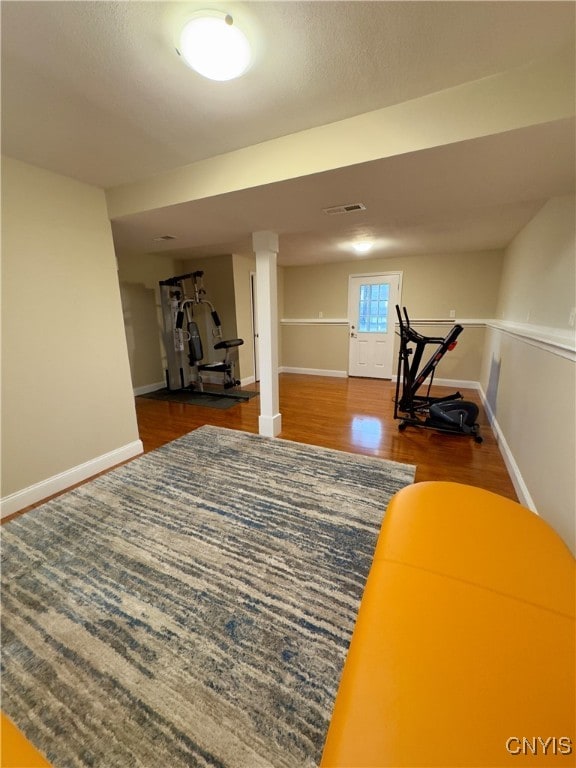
208,399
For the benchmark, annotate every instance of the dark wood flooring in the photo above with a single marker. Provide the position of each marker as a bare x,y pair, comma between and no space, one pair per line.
348,414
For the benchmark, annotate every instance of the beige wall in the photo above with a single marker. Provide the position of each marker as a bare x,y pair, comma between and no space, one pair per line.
66,391
319,347
139,284
432,285
244,267
539,276
142,324
280,289
530,385
147,269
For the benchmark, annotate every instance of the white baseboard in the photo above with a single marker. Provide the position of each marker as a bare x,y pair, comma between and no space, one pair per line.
513,469
452,383
464,383
314,371
248,380
45,488
149,388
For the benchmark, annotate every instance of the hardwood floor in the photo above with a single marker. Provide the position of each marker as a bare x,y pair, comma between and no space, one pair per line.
351,414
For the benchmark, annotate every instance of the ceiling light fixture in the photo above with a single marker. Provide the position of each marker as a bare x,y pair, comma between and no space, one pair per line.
363,246
214,47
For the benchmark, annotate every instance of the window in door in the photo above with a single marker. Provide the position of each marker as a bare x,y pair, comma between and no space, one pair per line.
373,308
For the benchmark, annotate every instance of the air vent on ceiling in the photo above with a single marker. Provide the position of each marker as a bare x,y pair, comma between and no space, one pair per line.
164,237
350,208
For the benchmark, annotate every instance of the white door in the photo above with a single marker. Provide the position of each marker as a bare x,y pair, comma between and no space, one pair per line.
371,313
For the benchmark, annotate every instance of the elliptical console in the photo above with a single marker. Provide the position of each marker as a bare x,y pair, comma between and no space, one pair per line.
449,414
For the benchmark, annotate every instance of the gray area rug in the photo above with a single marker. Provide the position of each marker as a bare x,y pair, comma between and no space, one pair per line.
193,607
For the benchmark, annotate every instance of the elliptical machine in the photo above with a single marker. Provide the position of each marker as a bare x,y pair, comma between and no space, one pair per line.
450,414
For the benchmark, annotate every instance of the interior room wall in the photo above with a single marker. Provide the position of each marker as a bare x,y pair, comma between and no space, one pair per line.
139,277
315,330
539,274
243,268
528,371
281,313
67,404
145,348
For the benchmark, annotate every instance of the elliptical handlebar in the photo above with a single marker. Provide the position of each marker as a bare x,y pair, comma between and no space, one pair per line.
413,334
411,374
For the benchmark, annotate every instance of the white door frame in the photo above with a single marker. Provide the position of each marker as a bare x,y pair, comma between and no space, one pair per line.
255,336
392,311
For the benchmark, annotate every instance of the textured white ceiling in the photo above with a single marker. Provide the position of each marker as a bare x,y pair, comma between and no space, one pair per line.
96,91
468,196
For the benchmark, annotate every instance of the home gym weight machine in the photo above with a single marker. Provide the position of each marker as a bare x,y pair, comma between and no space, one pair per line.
182,341
450,413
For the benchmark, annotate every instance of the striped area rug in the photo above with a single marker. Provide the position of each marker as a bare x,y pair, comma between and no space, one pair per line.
193,607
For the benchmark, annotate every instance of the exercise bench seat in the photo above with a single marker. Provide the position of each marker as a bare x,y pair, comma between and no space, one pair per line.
228,343
463,653
222,366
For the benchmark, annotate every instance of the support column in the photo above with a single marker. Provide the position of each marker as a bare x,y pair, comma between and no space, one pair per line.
265,247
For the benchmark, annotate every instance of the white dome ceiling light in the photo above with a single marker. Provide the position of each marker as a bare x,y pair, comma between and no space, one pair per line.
214,47
363,246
